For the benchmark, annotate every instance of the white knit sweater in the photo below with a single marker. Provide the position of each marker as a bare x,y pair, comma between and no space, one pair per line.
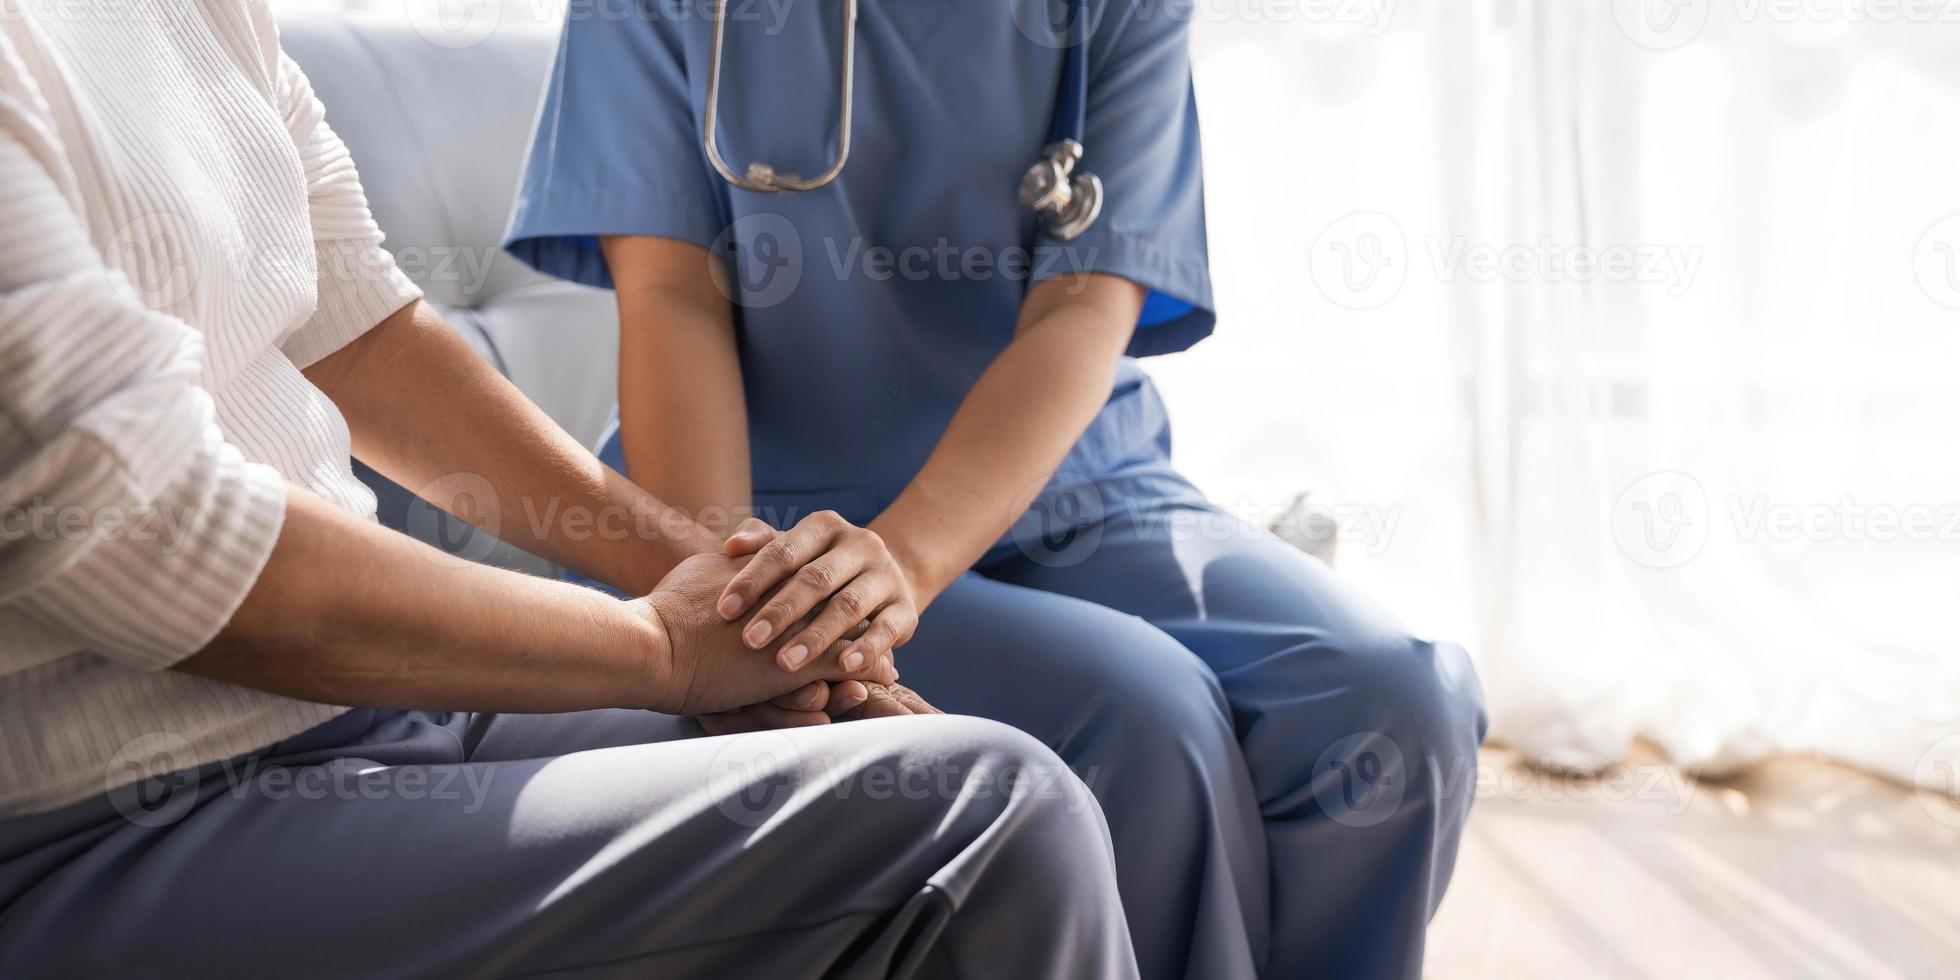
180,234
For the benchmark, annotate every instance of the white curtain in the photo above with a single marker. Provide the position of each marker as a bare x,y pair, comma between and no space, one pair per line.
1619,338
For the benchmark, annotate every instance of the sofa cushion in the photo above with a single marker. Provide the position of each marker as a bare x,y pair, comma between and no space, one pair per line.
439,134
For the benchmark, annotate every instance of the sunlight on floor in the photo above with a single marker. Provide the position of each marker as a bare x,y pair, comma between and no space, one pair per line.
1798,869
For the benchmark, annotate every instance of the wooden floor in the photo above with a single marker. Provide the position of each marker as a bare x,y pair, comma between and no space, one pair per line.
1799,869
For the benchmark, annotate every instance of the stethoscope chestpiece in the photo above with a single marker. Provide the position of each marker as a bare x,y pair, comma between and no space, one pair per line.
1067,202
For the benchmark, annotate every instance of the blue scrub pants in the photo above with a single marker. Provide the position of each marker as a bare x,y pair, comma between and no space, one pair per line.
1285,770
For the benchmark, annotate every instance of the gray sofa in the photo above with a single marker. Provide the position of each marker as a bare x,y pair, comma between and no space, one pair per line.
439,135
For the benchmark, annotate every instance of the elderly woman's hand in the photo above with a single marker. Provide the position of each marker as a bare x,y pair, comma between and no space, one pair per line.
816,703
705,668
819,704
890,700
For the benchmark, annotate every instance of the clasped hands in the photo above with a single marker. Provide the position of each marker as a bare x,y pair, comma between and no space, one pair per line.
787,629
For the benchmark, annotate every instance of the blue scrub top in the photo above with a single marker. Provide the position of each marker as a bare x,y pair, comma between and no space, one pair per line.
868,308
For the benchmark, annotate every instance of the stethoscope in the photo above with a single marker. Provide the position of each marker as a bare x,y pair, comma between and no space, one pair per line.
1066,202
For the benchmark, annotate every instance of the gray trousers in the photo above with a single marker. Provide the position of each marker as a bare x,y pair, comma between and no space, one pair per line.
389,843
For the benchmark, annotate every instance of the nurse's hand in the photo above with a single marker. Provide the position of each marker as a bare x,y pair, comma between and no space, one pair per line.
706,668
829,569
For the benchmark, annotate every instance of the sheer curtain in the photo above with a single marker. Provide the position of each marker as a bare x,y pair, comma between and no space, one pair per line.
1618,339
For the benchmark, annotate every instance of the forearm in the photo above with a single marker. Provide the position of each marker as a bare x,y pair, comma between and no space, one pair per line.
348,612
683,419
1014,427
683,425
423,408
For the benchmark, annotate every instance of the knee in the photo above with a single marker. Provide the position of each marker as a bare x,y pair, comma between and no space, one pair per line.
1406,717
1020,784
967,743
1153,698
1425,693
989,762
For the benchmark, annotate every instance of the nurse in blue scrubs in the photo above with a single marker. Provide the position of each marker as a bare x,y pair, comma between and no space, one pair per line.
1285,769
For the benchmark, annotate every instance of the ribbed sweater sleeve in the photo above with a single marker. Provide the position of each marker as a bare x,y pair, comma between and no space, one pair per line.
127,522
359,284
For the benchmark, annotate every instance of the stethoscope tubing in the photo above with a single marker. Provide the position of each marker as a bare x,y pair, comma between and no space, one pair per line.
761,176
1072,101
1067,203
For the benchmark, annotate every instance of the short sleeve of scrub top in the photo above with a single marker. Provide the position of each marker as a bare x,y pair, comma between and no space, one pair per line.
644,176
1141,138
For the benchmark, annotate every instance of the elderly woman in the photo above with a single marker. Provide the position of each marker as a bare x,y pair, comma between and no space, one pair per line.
196,326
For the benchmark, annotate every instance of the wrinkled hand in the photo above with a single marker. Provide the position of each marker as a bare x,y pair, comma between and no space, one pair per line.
814,704
818,704
709,669
888,701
